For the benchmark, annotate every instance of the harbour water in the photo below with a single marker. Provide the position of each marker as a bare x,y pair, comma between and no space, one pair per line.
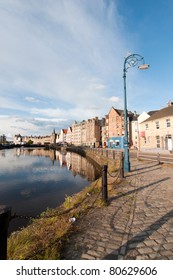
32,180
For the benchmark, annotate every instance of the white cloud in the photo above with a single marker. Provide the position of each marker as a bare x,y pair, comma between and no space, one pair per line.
114,99
50,54
31,99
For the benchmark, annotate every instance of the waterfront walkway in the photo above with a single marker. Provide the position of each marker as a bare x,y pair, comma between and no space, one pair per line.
137,223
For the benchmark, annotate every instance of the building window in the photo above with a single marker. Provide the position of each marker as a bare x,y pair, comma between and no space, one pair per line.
157,126
117,143
168,123
158,141
146,126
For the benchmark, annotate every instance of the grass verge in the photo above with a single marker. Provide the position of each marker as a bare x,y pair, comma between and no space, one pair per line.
44,237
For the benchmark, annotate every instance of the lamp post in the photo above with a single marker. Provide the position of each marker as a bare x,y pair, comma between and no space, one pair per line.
130,61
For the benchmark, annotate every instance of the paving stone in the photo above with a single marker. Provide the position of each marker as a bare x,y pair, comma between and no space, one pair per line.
101,249
135,225
145,250
150,242
166,253
93,253
123,250
134,245
111,245
87,257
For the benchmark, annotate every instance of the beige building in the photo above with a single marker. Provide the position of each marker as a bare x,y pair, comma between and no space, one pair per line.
156,132
37,140
104,130
134,132
93,137
86,133
76,134
69,135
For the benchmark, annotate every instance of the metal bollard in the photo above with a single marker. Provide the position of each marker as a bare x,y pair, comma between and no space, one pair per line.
104,184
5,215
121,165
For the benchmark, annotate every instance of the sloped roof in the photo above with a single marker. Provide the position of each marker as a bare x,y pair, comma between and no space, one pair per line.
119,111
64,131
165,112
152,112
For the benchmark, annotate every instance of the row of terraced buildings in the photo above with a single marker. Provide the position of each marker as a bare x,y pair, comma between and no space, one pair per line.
147,131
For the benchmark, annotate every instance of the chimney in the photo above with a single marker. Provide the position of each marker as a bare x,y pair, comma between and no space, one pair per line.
170,103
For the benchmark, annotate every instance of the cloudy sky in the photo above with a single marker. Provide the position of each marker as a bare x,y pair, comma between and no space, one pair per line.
62,60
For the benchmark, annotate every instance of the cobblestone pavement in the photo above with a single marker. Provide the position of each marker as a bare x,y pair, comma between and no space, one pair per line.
137,223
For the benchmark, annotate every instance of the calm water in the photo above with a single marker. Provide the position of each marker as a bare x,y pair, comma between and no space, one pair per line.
32,180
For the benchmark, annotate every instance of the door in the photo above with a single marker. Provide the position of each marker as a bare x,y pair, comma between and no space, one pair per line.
169,143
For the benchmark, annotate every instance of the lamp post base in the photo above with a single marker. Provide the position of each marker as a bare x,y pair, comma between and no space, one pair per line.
126,166
126,158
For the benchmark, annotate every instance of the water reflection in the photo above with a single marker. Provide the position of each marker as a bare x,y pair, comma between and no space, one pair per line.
33,179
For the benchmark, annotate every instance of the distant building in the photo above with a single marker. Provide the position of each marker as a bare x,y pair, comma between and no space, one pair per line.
62,137
116,125
86,133
76,133
69,135
104,131
3,139
116,122
37,140
134,131
18,139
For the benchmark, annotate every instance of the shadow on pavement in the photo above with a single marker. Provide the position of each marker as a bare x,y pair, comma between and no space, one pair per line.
138,189
140,237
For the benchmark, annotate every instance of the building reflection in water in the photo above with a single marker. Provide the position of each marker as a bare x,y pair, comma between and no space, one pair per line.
77,164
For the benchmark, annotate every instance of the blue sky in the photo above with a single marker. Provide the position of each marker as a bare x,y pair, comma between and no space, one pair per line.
62,60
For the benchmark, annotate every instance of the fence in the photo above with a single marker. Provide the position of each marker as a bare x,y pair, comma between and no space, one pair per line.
119,174
107,153
159,158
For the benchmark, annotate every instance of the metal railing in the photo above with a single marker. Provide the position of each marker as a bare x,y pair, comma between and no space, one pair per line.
118,175
160,158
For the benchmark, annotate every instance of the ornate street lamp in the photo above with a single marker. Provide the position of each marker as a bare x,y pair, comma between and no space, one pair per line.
130,61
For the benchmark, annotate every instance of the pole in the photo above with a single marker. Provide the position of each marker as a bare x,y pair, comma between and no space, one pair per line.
104,184
130,61
126,142
121,165
5,215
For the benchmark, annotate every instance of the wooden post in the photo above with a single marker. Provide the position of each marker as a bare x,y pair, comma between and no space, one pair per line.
5,215
121,165
158,158
104,184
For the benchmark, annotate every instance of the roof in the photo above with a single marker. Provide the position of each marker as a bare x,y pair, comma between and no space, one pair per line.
119,111
64,131
165,112
152,112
